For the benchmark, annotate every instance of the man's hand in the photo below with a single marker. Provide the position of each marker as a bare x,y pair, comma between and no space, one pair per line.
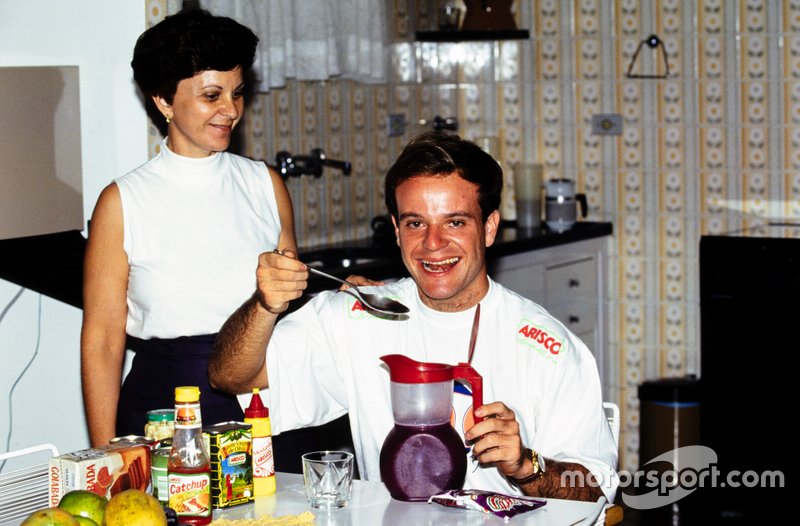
280,278
496,439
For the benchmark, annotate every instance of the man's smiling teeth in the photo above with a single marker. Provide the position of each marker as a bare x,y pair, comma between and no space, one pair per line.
439,266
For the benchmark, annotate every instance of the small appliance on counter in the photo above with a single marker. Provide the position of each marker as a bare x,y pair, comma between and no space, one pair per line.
561,204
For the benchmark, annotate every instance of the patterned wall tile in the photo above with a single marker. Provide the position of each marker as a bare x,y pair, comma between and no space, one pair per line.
711,149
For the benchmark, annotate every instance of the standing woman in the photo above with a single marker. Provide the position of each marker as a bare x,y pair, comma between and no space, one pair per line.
172,244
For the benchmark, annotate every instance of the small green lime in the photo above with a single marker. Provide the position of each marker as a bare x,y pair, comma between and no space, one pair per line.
84,503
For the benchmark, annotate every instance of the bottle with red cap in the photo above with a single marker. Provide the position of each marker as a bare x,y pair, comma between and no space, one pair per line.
257,415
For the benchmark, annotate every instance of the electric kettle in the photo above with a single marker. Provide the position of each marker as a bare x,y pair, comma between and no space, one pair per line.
423,454
560,204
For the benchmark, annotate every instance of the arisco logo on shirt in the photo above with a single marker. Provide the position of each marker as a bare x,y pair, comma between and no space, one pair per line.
540,338
356,310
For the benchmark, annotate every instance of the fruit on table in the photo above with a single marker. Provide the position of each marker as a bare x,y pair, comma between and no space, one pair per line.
134,507
50,517
83,521
84,503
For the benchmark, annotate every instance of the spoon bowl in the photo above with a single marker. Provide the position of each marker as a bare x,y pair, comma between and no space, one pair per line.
371,301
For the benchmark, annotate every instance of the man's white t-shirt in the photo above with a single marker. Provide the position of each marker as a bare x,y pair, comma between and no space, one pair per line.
324,361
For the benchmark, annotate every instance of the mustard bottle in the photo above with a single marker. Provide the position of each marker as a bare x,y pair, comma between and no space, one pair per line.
263,462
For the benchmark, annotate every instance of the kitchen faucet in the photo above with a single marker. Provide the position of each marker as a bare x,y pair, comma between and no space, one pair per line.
296,165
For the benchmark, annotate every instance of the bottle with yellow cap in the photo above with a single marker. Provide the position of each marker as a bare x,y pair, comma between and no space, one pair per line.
257,415
188,467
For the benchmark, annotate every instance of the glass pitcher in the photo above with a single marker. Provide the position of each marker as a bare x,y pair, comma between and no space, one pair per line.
423,455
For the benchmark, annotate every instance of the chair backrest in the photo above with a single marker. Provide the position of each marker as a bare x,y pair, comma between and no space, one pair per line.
612,413
25,490
613,512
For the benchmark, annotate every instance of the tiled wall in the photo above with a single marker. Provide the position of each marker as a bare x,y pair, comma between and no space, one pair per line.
713,148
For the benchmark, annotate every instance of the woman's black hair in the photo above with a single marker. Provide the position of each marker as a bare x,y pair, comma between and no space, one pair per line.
441,153
186,43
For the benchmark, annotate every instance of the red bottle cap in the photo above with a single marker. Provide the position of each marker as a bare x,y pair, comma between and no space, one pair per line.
256,408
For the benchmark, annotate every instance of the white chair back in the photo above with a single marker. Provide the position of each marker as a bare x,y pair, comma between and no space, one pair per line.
25,490
612,413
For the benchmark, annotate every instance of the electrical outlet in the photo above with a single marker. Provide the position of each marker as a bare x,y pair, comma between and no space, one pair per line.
607,124
395,124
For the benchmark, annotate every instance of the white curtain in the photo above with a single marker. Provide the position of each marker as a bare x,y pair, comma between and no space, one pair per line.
312,39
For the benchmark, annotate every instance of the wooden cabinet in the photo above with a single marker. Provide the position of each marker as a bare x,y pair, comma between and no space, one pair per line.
569,281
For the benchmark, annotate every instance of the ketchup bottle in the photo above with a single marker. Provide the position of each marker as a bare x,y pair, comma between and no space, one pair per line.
189,470
263,462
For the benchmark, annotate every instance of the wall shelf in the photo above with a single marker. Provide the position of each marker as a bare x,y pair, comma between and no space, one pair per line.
471,35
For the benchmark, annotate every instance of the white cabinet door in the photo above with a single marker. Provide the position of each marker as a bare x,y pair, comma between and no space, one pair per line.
569,281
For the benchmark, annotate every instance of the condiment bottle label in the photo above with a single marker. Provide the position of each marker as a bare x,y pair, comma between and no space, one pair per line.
190,494
263,461
188,416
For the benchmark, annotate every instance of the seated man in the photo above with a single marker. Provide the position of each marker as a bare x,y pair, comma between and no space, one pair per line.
323,360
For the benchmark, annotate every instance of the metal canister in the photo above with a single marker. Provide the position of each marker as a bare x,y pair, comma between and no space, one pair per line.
159,459
133,439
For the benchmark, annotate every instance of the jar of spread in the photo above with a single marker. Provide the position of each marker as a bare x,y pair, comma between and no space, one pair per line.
160,424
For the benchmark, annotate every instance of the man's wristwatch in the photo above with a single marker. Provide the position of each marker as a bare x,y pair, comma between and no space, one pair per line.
538,468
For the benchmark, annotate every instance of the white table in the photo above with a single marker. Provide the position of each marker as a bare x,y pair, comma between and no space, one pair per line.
371,505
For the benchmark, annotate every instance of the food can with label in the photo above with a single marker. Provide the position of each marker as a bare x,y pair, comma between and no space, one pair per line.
159,459
230,448
133,439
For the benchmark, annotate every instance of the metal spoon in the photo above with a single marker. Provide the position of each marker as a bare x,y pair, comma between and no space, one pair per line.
376,303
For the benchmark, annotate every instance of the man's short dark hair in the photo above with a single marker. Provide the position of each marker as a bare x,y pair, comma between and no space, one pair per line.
440,153
186,43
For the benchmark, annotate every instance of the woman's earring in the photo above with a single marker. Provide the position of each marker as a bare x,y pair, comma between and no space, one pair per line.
168,119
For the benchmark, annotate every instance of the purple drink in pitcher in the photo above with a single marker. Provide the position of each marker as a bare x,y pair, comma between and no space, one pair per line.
420,461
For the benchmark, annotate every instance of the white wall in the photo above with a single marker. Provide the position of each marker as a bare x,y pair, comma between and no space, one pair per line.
98,36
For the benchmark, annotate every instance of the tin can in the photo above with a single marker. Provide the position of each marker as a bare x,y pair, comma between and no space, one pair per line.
133,439
230,449
159,459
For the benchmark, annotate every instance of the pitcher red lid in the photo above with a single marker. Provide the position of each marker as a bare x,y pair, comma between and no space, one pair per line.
404,370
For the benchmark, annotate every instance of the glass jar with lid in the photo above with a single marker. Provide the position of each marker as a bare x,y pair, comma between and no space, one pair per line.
160,424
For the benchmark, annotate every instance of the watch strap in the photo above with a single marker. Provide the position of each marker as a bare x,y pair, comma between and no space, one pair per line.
538,468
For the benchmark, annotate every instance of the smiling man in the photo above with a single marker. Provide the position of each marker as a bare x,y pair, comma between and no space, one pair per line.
545,412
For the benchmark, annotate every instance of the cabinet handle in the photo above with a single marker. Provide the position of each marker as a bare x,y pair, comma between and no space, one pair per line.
574,319
574,282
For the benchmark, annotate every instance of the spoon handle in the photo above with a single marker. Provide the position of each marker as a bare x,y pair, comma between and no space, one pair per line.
326,275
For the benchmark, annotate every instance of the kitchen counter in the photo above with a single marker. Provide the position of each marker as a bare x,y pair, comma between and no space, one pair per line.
52,264
379,257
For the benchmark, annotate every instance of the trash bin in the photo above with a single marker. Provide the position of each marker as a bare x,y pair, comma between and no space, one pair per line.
669,418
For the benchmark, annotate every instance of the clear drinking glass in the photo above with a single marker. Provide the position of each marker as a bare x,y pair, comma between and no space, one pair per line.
328,478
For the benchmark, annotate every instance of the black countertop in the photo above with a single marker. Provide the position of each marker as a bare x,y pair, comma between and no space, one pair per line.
52,264
379,257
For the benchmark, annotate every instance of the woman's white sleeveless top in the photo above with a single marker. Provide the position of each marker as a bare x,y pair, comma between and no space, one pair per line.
193,231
